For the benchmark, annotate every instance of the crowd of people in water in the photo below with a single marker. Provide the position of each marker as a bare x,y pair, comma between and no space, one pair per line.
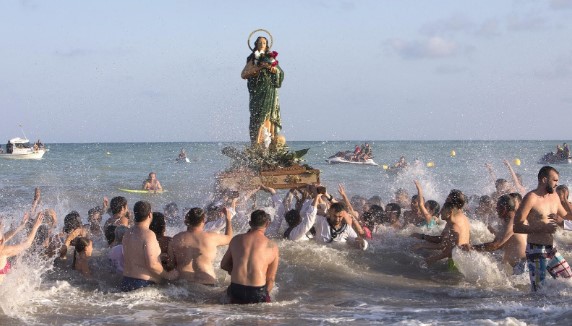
523,223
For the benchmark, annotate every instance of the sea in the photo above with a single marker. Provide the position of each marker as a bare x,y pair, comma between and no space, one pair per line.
388,284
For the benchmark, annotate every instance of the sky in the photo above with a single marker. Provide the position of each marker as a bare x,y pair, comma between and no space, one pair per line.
162,71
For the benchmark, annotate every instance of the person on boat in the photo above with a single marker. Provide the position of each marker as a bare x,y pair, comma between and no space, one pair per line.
263,80
566,150
152,183
357,153
7,251
366,153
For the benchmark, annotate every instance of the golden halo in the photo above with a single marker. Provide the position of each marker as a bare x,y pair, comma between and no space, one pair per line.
260,30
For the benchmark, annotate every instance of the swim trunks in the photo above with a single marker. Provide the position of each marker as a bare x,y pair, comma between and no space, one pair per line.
542,259
243,294
130,284
6,268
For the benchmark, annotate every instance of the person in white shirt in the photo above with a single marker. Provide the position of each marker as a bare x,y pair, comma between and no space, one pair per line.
339,227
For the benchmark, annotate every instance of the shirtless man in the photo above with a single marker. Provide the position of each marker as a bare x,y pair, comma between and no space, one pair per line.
142,262
513,244
152,183
456,232
252,262
537,216
119,211
193,251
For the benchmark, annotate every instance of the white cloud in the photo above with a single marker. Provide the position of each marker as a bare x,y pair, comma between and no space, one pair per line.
433,47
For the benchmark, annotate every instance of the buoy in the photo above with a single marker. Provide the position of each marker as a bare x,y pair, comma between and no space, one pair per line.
517,161
108,153
430,164
453,154
385,167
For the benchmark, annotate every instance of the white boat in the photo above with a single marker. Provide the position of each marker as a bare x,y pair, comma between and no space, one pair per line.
20,148
341,160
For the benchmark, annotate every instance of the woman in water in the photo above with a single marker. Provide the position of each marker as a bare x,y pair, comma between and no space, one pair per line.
83,250
7,251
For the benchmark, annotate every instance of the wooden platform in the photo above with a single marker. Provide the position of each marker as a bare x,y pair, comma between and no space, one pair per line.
281,178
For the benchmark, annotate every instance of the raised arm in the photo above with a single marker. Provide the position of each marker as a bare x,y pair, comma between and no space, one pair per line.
10,234
492,173
14,250
421,203
519,187
342,192
37,196
225,239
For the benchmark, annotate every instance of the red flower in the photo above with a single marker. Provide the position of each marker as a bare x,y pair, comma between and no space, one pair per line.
275,63
273,54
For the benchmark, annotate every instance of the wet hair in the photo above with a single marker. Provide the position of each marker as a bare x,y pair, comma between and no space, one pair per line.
71,222
158,224
545,171
119,233
292,217
500,182
375,200
506,201
81,243
447,206
393,207
338,207
195,216
562,188
516,196
41,235
141,211
116,204
485,200
433,207
457,198
171,209
110,234
414,197
377,213
93,211
258,219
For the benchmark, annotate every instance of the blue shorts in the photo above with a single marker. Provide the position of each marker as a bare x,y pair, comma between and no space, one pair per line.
130,284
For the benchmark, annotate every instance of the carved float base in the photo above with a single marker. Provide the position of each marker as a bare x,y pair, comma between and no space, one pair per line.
279,178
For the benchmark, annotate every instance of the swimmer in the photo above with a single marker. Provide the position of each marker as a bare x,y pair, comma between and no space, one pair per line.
252,262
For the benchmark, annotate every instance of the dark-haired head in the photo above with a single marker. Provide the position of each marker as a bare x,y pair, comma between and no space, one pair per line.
110,234
337,208
457,198
141,211
117,204
158,224
506,203
433,207
259,219
72,221
393,208
194,217
292,217
545,172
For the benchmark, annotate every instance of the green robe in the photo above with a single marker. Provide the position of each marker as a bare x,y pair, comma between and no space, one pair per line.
264,104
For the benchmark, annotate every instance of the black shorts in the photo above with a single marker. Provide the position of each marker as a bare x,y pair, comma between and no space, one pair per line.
244,294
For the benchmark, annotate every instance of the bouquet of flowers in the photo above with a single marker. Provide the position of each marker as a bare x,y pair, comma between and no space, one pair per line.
262,57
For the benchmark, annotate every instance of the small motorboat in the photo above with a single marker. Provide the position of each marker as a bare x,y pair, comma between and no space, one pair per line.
340,160
20,148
